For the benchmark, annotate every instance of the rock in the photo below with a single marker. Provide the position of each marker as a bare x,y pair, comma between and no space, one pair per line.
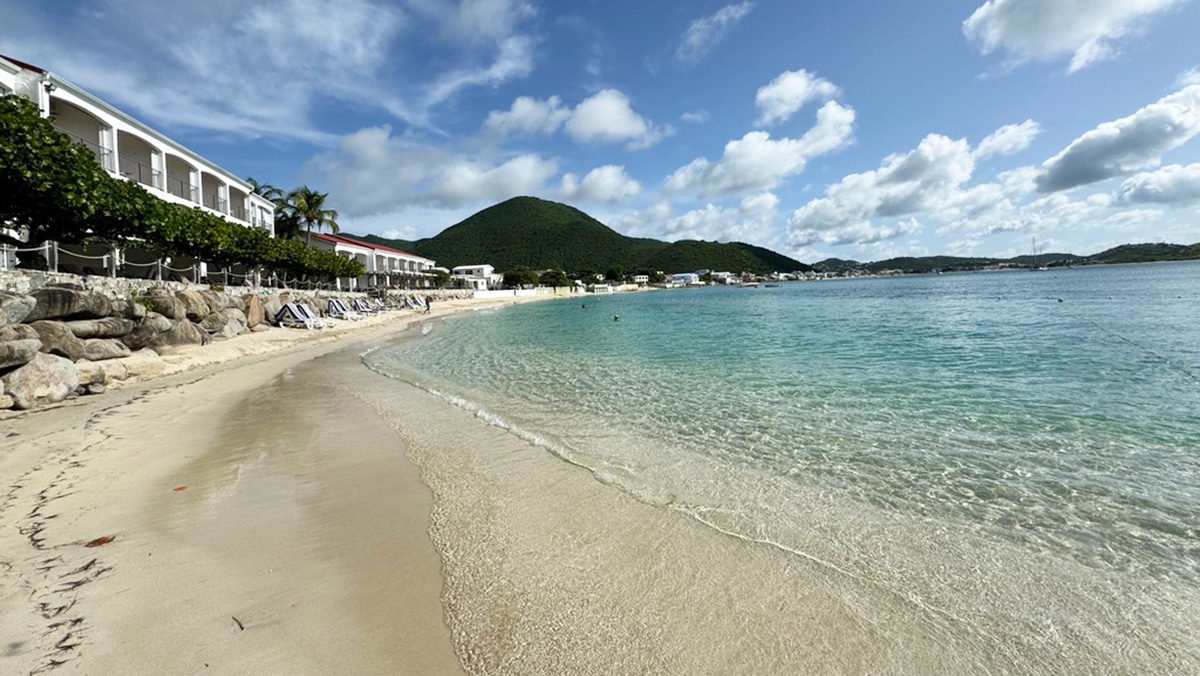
18,332
253,308
130,308
94,388
195,308
272,307
259,328
146,331
183,334
18,352
225,323
102,372
100,349
165,304
109,327
57,339
14,307
6,402
59,303
46,379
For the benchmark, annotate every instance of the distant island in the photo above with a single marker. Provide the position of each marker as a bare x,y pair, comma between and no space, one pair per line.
540,234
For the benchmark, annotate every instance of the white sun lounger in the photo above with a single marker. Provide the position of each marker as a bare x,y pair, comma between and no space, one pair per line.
338,309
361,305
292,317
318,321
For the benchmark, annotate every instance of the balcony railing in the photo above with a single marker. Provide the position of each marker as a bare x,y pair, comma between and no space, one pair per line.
133,169
238,212
215,202
180,188
103,155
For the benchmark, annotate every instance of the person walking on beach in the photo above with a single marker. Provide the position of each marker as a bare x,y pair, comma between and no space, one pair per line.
428,304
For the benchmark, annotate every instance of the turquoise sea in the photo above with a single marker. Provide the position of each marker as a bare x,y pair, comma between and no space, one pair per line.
991,472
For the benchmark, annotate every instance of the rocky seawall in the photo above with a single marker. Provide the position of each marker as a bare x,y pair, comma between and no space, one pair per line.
59,339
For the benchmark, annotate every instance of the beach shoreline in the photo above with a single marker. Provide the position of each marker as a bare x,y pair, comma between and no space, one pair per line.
239,512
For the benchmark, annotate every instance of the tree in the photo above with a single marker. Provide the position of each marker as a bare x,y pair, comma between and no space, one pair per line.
554,278
520,276
615,274
308,207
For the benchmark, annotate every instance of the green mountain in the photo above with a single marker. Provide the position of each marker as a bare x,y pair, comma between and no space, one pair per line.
1145,253
542,234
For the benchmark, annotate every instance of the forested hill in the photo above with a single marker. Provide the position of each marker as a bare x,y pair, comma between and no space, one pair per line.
542,235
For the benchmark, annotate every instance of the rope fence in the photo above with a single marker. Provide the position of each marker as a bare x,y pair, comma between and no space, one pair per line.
114,264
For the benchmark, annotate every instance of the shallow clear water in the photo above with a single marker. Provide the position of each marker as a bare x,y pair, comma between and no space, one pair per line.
1012,451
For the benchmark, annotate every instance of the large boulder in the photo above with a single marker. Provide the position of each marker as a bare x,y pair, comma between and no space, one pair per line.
183,334
100,349
14,307
57,339
143,364
225,323
195,307
102,372
252,307
146,331
109,327
46,379
59,303
18,332
130,308
165,304
18,352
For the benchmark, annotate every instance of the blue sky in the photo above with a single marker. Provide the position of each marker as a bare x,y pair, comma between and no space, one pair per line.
854,129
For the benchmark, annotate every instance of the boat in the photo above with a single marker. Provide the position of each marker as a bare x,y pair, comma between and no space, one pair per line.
1035,264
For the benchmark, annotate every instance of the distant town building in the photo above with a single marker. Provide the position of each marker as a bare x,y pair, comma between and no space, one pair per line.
478,277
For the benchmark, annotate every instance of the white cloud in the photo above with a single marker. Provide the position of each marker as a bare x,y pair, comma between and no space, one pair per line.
608,117
487,20
1009,139
703,35
788,93
695,117
605,117
754,219
609,183
528,116
1048,29
925,181
1172,184
1125,145
373,172
757,162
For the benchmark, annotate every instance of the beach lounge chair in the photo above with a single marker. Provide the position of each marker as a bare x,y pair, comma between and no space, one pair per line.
380,305
292,317
311,315
361,305
337,308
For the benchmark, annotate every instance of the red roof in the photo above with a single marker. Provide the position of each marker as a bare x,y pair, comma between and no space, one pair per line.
338,239
26,66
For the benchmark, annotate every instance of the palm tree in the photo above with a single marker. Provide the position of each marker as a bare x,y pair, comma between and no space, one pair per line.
265,190
287,226
307,206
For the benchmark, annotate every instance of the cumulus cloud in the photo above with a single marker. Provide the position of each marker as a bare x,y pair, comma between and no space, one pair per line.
373,172
1048,29
608,117
695,117
1125,145
926,180
604,117
788,93
758,162
704,34
1009,139
1172,184
528,116
609,183
751,220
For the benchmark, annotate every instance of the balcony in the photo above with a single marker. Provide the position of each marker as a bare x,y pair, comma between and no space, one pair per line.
103,155
215,202
137,171
183,189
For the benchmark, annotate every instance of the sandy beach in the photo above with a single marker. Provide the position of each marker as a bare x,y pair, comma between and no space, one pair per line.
240,513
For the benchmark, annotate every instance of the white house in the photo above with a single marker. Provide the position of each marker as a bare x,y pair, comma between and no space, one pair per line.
685,278
384,266
132,150
477,277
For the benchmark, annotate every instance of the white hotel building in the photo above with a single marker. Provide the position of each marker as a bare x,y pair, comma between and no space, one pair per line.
131,150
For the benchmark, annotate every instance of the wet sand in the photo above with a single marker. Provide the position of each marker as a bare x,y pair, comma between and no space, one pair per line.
262,520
